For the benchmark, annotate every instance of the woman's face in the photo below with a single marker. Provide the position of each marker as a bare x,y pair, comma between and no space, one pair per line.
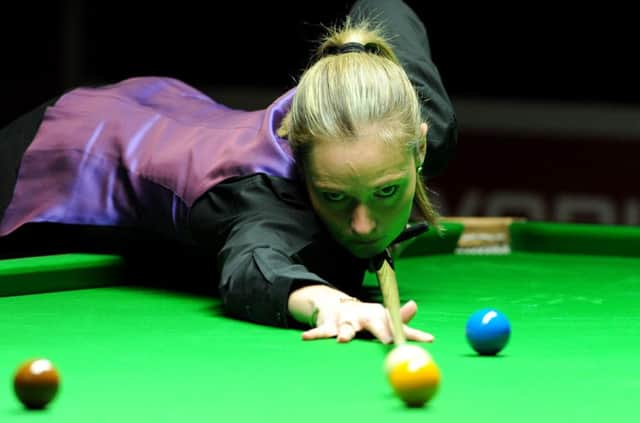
362,190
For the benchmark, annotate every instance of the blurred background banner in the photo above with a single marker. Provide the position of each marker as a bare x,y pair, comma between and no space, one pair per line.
548,98
566,162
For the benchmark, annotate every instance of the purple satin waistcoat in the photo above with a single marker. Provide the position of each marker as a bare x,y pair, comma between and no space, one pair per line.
139,153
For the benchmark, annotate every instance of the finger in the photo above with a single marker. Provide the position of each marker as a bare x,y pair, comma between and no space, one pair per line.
321,332
380,330
346,332
408,311
418,335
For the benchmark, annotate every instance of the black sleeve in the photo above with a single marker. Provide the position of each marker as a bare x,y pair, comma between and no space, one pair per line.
268,243
409,38
15,138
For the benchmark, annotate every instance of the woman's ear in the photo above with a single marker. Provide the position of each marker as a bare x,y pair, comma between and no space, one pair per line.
422,146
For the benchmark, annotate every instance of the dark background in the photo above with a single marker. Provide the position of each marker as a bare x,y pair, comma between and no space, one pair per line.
533,53
521,52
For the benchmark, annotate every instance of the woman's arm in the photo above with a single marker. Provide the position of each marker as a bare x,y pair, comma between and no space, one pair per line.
257,225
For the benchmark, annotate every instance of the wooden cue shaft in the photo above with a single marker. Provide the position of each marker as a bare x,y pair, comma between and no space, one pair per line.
391,298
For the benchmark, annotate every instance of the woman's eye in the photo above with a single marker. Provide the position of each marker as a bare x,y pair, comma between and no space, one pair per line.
333,196
387,192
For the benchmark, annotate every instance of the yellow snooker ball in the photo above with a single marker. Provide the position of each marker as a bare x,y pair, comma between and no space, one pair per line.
413,374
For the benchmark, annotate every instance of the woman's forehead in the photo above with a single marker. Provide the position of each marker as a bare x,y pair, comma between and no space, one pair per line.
363,158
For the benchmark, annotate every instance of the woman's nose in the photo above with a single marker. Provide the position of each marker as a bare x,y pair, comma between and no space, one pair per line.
362,222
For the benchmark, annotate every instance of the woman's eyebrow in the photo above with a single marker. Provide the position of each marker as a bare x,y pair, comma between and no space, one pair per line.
384,180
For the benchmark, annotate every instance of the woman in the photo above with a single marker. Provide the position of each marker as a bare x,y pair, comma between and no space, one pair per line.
293,200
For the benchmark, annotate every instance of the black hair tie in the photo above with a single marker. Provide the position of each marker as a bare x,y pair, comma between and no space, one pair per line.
352,47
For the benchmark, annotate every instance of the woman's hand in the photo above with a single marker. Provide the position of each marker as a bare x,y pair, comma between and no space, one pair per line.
336,315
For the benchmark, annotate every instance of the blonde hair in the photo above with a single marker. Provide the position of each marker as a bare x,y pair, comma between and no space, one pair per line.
340,94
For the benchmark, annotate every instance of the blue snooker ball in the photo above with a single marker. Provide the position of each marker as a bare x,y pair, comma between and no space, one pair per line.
488,331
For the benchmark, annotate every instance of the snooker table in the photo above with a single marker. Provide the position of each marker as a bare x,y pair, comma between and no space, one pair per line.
131,352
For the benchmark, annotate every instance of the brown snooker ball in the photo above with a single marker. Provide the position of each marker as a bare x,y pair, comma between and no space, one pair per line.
36,383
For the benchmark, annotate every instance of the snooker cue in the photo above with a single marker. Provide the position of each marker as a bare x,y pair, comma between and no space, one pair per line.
391,298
